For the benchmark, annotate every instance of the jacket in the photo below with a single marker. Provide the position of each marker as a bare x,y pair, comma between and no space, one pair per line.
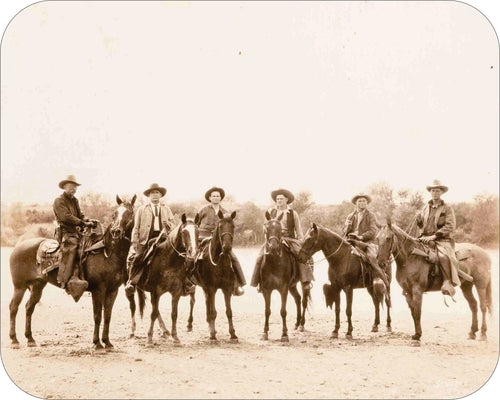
208,219
143,220
368,226
67,212
444,221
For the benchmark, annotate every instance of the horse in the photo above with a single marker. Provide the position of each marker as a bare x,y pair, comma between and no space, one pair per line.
104,270
214,271
167,273
346,273
279,272
416,276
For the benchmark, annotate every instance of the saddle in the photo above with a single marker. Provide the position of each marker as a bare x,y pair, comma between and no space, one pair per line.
48,256
431,256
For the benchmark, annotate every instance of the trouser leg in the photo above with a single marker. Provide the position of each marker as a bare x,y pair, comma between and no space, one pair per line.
68,256
135,272
237,269
256,271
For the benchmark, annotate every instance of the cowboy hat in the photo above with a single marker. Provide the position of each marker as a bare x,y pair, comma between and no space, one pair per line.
155,186
289,195
359,196
69,179
436,184
215,189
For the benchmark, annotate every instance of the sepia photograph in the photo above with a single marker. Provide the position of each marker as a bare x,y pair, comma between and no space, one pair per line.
255,200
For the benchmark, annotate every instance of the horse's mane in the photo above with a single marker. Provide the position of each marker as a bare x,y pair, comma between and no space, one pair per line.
332,233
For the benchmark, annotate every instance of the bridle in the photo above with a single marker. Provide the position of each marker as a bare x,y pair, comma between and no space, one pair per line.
342,241
269,238
220,235
122,235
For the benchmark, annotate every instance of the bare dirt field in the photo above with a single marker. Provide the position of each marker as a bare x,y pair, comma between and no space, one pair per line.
372,365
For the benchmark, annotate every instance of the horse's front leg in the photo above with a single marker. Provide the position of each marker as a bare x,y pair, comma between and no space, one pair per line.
284,332
211,312
97,304
483,303
306,297
266,293
109,301
17,297
132,306
192,300
336,300
229,315
175,303
165,333
376,304
348,311
296,296
155,302
416,311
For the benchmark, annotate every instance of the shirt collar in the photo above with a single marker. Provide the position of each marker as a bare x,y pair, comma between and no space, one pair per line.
440,203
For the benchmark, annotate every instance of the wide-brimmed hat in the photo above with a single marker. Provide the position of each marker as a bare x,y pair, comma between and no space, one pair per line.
436,184
69,179
289,195
359,196
215,189
155,186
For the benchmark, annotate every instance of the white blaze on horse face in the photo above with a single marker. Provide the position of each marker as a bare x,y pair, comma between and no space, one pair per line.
192,237
119,215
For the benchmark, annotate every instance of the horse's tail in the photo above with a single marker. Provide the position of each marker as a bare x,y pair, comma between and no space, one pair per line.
379,291
489,299
142,301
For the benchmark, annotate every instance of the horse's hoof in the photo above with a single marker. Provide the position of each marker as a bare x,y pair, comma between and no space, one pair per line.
31,343
388,329
149,345
415,343
284,339
348,336
374,328
214,340
483,338
234,340
264,337
296,326
164,335
301,328
15,346
131,336
472,336
334,335
189,329
108,346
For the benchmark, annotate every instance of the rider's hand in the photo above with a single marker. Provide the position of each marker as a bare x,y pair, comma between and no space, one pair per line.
427,239
88,224
353,236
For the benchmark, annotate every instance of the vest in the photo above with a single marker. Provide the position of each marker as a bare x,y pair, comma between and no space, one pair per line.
290,221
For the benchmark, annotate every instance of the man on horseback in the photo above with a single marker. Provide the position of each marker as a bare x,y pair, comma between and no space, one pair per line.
208,222
438,222
70,220
291,233
361,228
150,220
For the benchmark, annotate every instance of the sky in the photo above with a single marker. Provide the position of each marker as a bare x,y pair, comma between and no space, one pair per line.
326,97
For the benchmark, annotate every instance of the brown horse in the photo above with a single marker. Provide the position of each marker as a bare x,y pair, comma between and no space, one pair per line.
346,273
417,276
104,271
167,273
280,272
214,272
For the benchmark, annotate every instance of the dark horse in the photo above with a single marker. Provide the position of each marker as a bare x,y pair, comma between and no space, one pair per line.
214,272
416,276
279,272
346,273
104,271
167,273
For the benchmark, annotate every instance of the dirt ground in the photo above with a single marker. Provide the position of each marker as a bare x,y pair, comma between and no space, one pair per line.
372,365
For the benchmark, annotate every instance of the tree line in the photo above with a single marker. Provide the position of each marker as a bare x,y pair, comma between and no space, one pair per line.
477,221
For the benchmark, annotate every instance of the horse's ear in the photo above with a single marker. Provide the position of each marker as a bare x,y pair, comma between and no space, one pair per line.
233,214
118,200
133,199
314,227
389,222
220,215
268,216
183,218
197,219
